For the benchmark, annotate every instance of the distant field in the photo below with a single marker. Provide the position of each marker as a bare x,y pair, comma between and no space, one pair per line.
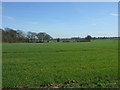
72,64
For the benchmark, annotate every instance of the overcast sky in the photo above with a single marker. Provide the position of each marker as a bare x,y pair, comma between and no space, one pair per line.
63,19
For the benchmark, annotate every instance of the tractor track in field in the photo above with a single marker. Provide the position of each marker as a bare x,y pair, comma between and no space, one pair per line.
96,82
58,51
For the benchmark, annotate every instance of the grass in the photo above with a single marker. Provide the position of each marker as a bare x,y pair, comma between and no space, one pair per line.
33,64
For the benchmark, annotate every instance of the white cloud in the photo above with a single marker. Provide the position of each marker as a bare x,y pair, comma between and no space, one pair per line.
115,14
9,17
94,24
32,22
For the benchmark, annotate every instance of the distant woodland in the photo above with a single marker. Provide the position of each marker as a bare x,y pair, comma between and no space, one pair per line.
13,36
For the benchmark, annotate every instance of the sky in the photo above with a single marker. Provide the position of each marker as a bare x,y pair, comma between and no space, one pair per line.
62,19
60,0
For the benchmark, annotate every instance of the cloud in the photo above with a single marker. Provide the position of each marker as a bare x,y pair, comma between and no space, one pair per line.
32,22
94,24
9,17
115,14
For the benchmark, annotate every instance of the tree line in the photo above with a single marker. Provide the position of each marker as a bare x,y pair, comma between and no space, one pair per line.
11,36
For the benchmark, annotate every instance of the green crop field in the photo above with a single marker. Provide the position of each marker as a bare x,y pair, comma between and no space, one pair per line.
73,64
